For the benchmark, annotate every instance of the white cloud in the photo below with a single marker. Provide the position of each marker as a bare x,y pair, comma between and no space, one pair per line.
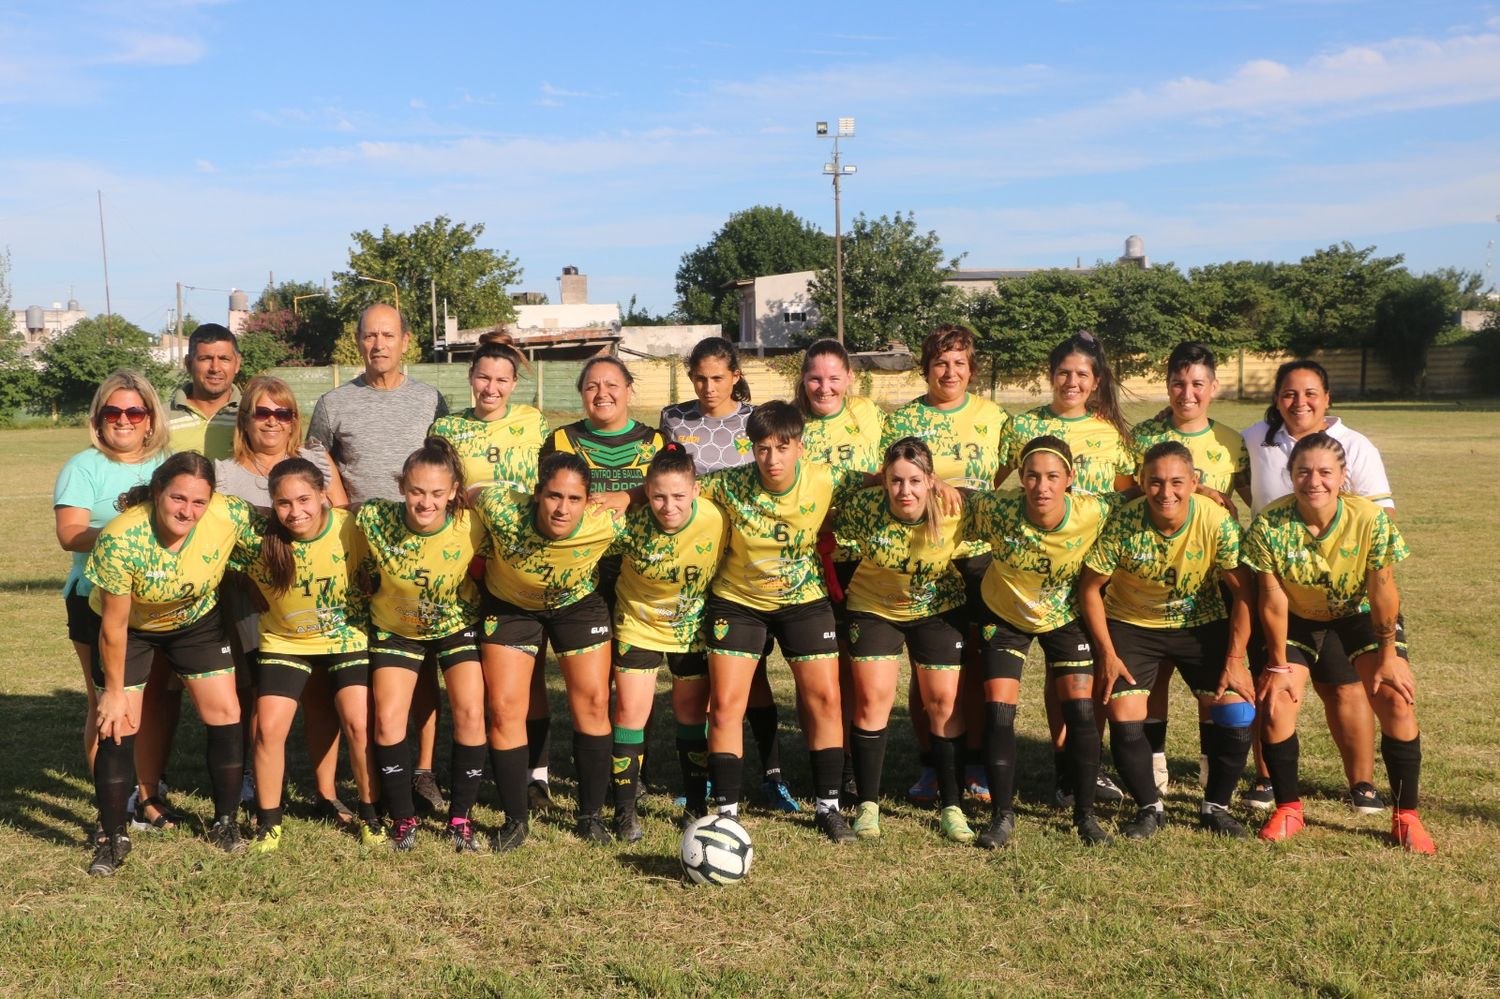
549,90
205,166
149,49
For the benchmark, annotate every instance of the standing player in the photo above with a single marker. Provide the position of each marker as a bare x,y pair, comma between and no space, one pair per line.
1163,557
1326,562
671,548
424,605
1039,540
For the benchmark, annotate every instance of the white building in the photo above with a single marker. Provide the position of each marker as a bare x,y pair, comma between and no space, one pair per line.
775,310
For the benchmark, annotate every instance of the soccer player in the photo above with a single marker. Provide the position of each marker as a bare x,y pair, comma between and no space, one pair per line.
615,447
303,566
156,570
542,583
671,548
904,593
1039,540
1163,557
963,432
1325,560
423,603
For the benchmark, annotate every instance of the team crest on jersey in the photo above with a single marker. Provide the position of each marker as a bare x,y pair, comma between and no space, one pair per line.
988,631
1192,556
807,507
721,628
1349,552
704,548
582,552
742,445
854,634
981,429
490,624
516,431
851,429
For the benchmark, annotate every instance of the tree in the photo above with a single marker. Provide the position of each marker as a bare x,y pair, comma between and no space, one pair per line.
306,320
638,315
74,363
1143,313
753,243
1025,317
1240,304
18,380
1333,294
1408,319
893,285
473,280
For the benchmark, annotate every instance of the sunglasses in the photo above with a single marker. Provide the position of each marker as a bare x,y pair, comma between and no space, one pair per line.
280,413
135,414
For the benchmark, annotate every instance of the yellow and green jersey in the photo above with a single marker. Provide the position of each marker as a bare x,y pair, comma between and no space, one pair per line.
535,572
420,585
1324,578
1099,453
168,590
1218,452
1166,580
664,578
502,451
849,438
903,573
772,560
324,610
1031,582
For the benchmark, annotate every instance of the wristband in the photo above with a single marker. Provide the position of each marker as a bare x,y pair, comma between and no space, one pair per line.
1278,669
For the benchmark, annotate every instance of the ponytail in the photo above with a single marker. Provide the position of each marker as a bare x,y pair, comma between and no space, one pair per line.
276,541
437,452
672,459
1104,402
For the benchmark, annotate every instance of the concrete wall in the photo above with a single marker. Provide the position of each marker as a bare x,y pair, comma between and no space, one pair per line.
764,305
665,341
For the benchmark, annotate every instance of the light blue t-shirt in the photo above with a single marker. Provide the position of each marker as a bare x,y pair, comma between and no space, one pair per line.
92,482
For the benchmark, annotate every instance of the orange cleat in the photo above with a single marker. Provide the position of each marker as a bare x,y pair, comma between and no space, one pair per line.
1284,823
1406,829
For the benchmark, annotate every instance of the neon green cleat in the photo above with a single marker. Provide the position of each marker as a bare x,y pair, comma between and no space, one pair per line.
954,826
267,840
372,835
867,820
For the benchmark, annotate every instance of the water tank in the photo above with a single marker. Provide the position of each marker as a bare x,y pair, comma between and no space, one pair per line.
1135,247
36,319
73,305
570,270
239,301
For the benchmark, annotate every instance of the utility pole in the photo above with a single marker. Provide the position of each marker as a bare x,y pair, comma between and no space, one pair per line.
432,287
109,313
838,170
177,343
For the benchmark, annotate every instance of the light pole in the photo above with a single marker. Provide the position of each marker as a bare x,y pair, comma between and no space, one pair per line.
838,170
394,289
301,298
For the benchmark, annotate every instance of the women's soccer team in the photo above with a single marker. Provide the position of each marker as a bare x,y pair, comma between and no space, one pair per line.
853,540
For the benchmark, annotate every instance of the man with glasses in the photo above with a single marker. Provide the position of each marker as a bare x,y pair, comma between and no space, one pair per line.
203,412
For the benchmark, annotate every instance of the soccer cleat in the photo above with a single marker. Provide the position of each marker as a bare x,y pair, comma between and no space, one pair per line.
591,829
1219,822
539,796
627,826
997,834
1284,823
1107,791
109,853
462,833
424,788
509,836
976,784
225,834
866,822
925,790
1145,824
779,796
267,839
1090,831
404,834
372,835
1159,773
953,825
1365,800
690,814
1261,795
830,823
1407,830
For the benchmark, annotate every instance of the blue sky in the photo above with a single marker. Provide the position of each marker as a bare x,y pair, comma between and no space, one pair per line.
235,139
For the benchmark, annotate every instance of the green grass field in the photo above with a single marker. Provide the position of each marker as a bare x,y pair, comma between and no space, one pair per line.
1335,912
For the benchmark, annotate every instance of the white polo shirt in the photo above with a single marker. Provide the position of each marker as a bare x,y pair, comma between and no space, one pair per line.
1270,479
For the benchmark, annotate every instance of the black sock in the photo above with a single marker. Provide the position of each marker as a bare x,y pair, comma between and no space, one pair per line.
826,765
1132,755
847,777
727,772
1403,765
367,813
627,755
538,742
1082,750
927,759
1281,767
1204,737
265,818
114,776
867,748
1062,769
591,764
692,758
947,760
394,762
763,724
1156,734
226,765
508,766
1226,752
1000,753
467,770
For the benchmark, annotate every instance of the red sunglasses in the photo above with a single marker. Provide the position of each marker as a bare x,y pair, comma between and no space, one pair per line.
280,413
135,414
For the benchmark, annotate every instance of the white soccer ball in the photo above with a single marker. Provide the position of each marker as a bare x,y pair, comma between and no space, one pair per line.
715,850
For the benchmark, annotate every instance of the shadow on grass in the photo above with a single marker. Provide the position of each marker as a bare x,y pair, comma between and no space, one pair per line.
46,584
653,865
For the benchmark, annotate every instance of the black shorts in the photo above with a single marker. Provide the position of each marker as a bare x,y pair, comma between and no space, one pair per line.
572,630
1198,653
684,665
843,572
973,569
387,649
196,652
83,623
1308,644
932,642
284,674
1003,648
609,578
805,631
